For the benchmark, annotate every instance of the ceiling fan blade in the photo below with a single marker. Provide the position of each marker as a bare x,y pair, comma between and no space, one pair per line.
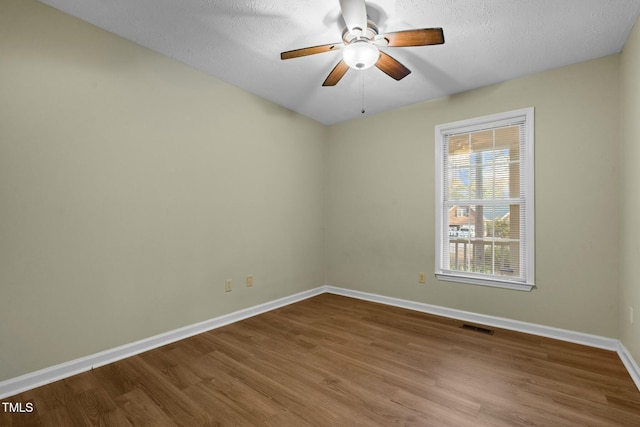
421,37
354,13
336,74
392,67
296,53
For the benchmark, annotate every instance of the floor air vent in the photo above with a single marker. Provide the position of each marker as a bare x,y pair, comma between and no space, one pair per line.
477,329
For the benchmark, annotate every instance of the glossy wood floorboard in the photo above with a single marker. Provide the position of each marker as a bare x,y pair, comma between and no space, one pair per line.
337,361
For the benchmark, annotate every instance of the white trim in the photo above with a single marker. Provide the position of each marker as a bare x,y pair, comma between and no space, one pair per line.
460,278
629,363
498,322
39,378
566,335
48,375
491,121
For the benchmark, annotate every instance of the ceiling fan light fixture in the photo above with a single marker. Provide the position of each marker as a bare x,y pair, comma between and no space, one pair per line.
360,41
360,54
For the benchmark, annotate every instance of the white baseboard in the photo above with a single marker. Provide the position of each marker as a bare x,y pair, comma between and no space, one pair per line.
500,322
39,378
629,363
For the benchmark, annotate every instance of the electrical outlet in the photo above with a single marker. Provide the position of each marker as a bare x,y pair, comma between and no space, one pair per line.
227,285
249,281
422,278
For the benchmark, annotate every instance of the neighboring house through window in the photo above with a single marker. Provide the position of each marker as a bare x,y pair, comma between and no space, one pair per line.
484,200
461,212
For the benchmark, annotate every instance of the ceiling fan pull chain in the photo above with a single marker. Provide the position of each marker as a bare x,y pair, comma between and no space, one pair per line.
362,89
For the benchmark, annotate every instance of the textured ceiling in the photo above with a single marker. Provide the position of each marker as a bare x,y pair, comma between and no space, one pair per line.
486,41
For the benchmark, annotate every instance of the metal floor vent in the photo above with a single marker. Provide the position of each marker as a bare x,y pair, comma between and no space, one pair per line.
478,329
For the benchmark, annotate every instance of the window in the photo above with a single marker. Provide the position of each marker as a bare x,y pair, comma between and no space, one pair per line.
484,170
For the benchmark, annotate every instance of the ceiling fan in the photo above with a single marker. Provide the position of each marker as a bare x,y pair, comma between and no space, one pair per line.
360,42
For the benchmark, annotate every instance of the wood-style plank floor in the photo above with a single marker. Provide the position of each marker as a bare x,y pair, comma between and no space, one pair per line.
337,361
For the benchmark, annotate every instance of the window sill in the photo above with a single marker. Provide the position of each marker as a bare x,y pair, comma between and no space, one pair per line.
485,282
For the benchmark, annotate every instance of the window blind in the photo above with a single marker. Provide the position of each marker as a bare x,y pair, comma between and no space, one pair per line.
485,195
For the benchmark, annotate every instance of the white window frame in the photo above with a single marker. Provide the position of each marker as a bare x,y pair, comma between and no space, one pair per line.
527,185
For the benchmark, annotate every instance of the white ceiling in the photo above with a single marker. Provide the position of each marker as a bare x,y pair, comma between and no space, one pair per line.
486,41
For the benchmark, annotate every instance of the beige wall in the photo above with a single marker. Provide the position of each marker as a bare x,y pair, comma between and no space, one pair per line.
380,210
630,193
132,186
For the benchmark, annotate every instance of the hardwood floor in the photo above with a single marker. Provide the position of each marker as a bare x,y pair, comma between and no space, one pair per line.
334,361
